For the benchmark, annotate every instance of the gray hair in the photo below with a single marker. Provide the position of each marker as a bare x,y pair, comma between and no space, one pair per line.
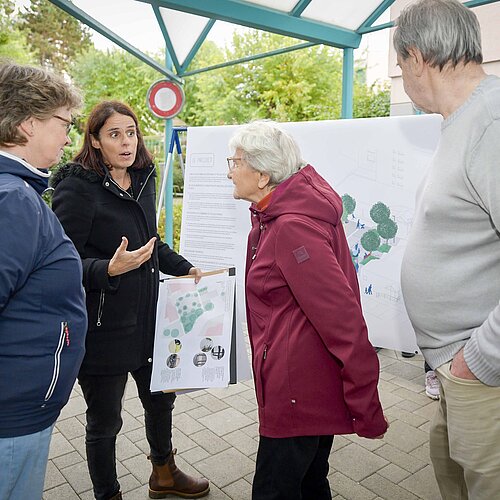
268,149
27,92
444,31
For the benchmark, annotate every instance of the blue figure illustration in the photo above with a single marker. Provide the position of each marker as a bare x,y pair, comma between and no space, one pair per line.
353,216
356,250
369,290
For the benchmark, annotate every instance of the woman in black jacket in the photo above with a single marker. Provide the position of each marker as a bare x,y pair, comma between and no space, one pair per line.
105,201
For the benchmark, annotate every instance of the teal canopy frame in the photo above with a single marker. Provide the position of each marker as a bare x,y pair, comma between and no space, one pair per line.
289,24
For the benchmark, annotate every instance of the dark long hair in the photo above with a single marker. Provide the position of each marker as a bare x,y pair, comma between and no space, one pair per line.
90,157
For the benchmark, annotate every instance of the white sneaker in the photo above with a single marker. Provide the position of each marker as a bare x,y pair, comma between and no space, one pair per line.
431,385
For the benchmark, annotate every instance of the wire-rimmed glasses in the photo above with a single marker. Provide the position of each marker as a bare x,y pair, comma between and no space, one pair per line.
69,123
231,162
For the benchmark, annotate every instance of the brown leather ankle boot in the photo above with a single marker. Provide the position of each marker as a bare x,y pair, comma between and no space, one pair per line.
169,480
118,496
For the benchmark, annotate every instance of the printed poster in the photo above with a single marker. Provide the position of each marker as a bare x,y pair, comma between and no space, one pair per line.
193,333
375,164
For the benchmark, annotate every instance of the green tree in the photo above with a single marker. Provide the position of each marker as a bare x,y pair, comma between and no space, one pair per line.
370,241
349,205
53,35
371,101
387,229
12,42
120,76
380,212
300,85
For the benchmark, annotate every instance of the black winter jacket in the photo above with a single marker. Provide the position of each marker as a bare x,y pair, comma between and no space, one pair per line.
95,213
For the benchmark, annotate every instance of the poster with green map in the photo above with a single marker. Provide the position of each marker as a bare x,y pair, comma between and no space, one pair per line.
193,333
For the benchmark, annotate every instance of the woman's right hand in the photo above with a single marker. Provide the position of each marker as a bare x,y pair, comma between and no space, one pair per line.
124,261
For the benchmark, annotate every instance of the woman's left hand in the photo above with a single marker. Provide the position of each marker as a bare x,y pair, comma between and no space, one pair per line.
196,272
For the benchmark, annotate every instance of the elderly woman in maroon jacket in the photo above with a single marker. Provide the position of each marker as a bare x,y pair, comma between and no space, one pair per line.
105,201
315,371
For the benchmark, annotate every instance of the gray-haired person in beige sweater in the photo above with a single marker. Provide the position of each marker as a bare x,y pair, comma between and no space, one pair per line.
451,268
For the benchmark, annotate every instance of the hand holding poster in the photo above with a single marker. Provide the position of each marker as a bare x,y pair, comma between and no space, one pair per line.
193,333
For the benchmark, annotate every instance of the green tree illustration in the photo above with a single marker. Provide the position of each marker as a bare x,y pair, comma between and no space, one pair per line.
349,204
370,241
380,212
387,229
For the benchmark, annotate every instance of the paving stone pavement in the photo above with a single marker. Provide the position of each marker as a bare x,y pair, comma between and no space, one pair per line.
216,435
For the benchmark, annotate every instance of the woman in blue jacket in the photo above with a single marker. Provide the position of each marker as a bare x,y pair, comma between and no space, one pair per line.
42,306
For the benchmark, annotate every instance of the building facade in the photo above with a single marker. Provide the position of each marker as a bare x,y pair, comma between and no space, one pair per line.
489,19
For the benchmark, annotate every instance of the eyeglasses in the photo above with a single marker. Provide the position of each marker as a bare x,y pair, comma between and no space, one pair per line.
69,123
231,162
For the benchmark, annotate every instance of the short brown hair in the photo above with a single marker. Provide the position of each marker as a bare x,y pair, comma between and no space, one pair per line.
26,91
90,157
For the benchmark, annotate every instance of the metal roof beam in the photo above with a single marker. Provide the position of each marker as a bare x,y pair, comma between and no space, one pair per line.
83,17
276,52
263,18
166,37
196,46
371,29
375,15
366,27
476,3
300,7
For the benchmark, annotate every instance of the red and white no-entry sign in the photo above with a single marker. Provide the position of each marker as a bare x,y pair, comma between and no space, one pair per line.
165,99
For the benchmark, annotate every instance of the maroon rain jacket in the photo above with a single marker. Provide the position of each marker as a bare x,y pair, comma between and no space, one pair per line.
315,371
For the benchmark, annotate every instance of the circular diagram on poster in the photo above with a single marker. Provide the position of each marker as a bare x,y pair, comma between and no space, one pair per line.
175,346
199,359
218,352
165,99
173,360
206,344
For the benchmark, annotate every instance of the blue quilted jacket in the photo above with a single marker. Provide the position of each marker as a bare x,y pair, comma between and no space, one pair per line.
42,305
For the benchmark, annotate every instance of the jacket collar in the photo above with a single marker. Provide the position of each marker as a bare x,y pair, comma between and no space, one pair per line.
36,178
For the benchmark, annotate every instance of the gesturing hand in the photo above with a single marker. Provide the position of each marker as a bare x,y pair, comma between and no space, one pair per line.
124,261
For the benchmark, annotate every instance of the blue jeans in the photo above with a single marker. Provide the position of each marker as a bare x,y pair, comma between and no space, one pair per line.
23,460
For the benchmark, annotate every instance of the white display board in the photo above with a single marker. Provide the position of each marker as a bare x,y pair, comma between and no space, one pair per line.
371,160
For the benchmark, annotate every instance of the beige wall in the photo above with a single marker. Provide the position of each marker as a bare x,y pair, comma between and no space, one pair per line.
489,19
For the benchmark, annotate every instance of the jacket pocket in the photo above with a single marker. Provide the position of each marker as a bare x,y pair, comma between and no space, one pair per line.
116,309
260,378
63,336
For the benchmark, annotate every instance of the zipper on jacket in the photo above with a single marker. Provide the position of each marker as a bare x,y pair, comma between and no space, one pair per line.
101,307
57,360
262,227
119,187
265,352
144,184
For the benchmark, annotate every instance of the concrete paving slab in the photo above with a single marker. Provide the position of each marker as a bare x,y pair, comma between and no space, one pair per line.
349,489
356,462
423,484
226,467
216,434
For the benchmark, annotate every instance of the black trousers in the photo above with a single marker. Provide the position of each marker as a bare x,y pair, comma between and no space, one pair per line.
104,397
292,468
